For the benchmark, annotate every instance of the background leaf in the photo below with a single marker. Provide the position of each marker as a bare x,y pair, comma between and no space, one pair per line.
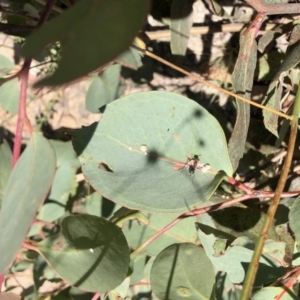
170,127
64,184
92,253
242,80
295,222
136,233
238,255
103,89
93,24
272,292
5,166
182,271
9,95
21,201
180,25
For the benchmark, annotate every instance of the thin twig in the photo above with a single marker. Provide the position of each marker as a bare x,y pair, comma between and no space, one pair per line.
201,30
201,80
253,267
199,211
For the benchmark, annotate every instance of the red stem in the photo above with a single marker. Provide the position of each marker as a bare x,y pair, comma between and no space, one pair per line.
24,74
22,117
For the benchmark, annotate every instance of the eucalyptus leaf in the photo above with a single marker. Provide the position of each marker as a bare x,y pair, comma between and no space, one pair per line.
92,34
91,253
131,156
182,271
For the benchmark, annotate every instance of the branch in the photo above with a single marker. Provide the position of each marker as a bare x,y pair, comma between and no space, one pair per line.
274,9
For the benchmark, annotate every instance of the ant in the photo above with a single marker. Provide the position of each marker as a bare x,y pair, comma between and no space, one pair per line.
193,162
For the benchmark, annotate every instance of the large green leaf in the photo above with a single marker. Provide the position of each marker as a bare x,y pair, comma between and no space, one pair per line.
25,191
91,32
182,271
91,254
130,155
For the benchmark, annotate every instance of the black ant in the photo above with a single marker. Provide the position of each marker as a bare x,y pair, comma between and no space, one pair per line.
193,162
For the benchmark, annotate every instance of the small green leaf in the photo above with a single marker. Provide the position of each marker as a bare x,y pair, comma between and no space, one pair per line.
216,9
239,254
9,95
131,58
131,156
182,271
295,221
92,253
5,66
242,80
35,168
5,166
181,24
272,292
272,100
91,32
103,89
136,233
67,165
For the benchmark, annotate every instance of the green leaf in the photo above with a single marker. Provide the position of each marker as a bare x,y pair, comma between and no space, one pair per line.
216,9
291,60
130,156
181,24
5,166
91,32
295,221
5,66
242,80
271,35
136,233
138,268
182,271
67,166
9,95
225,289
92,253
272,292
131,58
239,254
26,189
103,89
63,185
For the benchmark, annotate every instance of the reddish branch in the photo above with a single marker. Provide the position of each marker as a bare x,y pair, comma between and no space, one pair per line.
24,75
274,9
